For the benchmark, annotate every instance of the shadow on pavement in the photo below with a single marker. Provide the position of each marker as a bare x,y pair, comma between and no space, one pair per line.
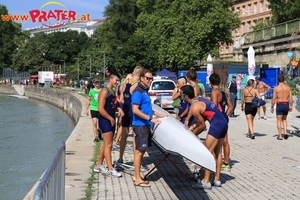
176,181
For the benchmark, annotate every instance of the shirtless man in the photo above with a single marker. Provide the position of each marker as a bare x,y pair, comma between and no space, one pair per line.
262,89
283,98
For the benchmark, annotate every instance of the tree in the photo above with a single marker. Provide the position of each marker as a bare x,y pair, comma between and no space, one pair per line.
8,30
181,32
284,10
116,32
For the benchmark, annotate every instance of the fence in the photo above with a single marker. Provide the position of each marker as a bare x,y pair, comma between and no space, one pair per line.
278,30
8,73
52,185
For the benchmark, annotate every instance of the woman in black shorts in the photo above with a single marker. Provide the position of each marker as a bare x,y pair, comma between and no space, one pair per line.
248,93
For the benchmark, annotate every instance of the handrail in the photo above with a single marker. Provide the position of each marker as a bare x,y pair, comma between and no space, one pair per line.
52,185
278,30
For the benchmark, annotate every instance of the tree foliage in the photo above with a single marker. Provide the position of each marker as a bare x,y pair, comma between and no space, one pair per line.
284,10
181,32
10,33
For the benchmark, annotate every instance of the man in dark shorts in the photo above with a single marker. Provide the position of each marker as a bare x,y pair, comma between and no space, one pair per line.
283,98
141,123
205,110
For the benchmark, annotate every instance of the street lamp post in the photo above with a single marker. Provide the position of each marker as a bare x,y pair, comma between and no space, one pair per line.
64,65
103,64
78,68
90,66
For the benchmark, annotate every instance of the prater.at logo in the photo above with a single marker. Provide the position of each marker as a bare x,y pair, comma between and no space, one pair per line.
38,15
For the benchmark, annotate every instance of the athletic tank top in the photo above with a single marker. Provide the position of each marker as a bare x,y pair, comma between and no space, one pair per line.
126,93
211,109
110,104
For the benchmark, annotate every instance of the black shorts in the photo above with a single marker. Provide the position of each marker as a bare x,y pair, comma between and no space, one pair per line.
142,137
249,110
94,114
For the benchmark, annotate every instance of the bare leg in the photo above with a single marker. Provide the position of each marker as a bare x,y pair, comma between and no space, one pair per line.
258,112
108,140
138,156
250,123
284,124
226,149
119,133
210,144
218,154
95,126
125,131
101,155
279,126
264,109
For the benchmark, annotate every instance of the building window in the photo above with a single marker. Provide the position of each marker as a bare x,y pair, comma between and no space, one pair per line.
248,26
243,28
238,10
262,6
255,8
249,9
268,5
243,10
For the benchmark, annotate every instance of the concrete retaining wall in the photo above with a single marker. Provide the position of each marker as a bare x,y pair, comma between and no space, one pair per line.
59,98
7,89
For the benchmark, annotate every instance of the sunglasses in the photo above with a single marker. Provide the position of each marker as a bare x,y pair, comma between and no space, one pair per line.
149,78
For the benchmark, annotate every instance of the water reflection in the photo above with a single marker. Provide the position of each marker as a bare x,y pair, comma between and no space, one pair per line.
30,132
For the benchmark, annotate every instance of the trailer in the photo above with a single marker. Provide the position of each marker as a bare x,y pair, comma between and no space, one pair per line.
46,78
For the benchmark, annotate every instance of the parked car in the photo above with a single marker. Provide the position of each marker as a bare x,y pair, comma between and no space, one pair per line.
161,91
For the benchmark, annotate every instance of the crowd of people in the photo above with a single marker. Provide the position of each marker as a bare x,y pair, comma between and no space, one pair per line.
125,104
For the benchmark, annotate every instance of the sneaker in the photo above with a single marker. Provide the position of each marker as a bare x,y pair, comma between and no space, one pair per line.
257,118
226,167
217,183
113,173
202,185
252,136
119,161
265,118
96,139
100,169
286,136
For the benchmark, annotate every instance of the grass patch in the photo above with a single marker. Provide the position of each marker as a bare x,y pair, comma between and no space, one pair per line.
89,191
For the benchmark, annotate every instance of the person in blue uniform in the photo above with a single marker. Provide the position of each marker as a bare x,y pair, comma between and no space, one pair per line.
107,108
221,99
141,123
205,110
126,90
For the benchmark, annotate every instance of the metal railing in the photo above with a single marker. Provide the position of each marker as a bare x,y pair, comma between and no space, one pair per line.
278,30
52,185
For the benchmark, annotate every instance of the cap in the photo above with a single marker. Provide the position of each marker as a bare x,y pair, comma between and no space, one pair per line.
96,80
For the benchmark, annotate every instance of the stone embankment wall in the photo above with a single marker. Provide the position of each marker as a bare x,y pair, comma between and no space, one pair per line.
59,98
7,89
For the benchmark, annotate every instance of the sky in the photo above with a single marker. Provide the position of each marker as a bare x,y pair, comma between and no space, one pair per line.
82,7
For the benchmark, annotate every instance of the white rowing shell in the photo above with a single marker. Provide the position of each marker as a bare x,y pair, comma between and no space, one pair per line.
174,137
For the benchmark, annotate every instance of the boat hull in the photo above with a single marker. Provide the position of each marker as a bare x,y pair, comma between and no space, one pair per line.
174,137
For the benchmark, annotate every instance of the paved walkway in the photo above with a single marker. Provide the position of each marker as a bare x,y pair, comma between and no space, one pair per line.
264,168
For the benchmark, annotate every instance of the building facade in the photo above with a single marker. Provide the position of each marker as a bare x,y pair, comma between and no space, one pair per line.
250,11
87,27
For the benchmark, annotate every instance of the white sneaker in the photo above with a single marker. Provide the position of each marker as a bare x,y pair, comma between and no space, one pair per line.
100,169
113,173
265,118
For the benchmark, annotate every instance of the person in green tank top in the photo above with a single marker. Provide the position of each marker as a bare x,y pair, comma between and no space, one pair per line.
92,107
